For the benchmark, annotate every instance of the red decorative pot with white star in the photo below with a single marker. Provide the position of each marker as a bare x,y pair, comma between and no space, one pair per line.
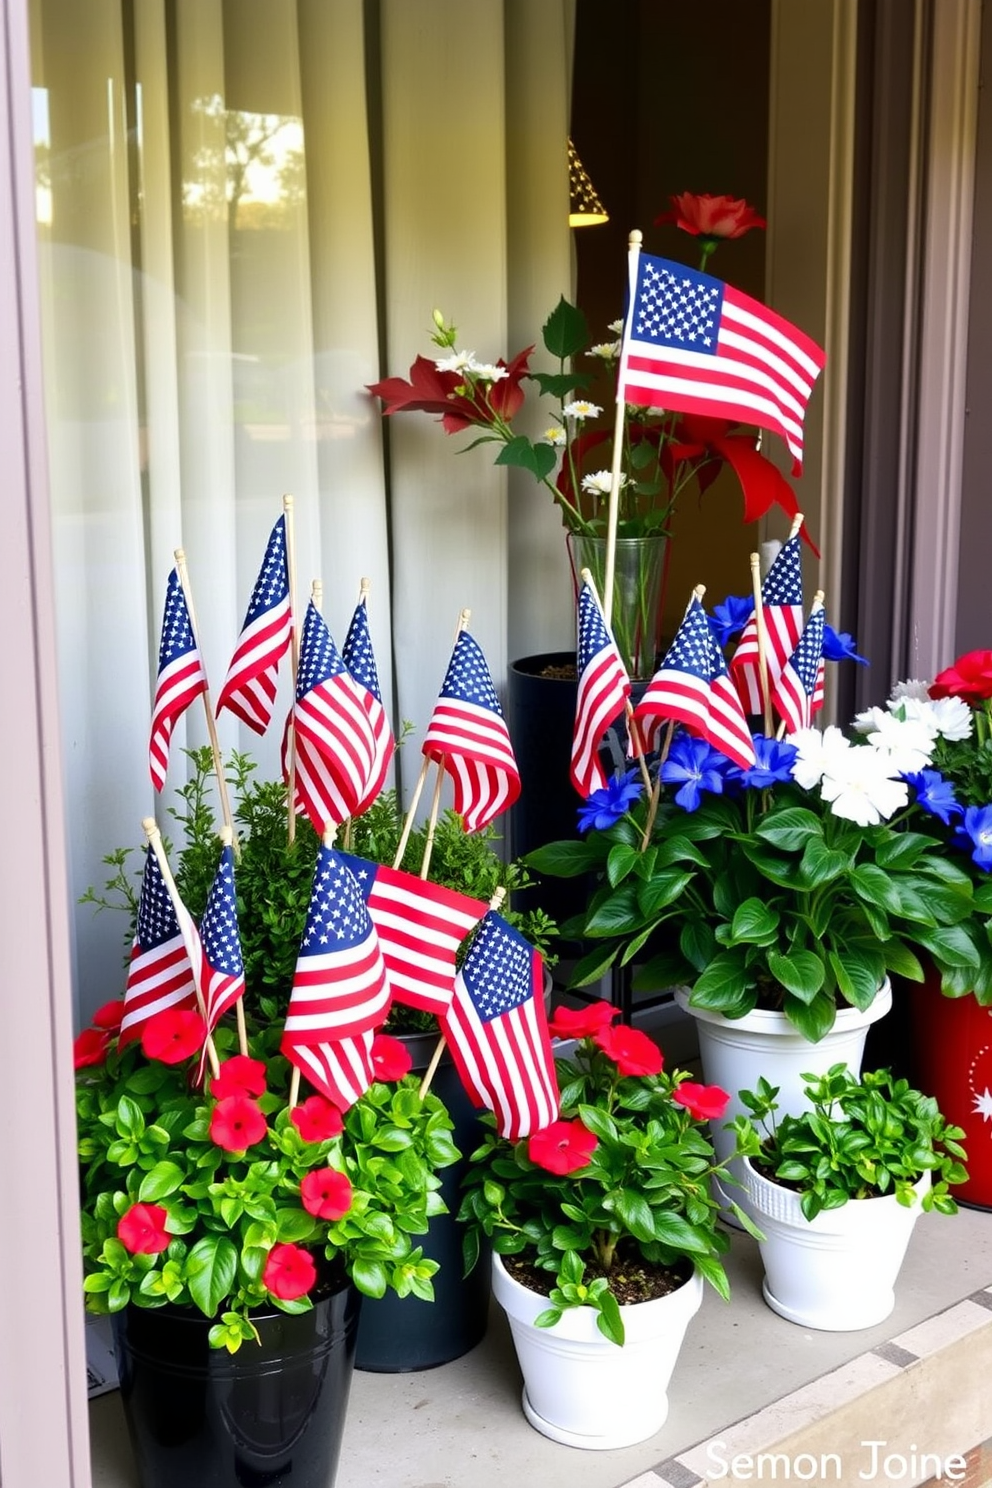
952,1049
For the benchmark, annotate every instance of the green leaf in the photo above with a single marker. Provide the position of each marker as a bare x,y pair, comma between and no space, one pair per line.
812,1019
754,922
874,885
610,1319
566,331
663,889
592,966
130,1119
370,1277
621,861
635,1213
620,914
901,849
566,859
801,972
160,1181
859,975
901,960
560,384
722,985
697,944
211,1267
790,829
949,945
821,864
539,459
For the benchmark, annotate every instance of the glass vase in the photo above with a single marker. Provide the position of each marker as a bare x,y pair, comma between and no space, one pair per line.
638,588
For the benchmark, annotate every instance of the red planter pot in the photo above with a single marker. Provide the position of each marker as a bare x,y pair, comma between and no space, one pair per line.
952,1055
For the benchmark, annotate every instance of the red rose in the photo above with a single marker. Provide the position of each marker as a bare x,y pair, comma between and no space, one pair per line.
289,1272
90,1048
239,1075
391,1058
632,1052
326,1194
237,1123
969,678
173,1035
581,1022
711,216
563,1147
317,1119
109,1016
142,1229
705,1102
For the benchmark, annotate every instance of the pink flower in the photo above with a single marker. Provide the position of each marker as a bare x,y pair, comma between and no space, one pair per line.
289,1272
236,1123
708,216
581,1022
239,1075
317,1119
109,1016
391,1058
326,1194
704,1102
141,1230
563,1147
90,1048
173,1035
632,1052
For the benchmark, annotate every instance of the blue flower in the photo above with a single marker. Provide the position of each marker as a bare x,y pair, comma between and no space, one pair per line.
976,832
934,794
839,646
774,759
606,806
697,767
729,618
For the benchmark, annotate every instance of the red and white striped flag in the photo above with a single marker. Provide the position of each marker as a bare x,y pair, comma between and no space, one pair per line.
341,1069
497,1030
782,611
799,691
181,677
421,925
468,735
250,686
216,954
693,686
330,716
693,344
359,658
604,688
160,974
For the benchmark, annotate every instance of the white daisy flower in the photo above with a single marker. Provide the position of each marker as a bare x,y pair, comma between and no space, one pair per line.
911,688
458,361
580,409
860,787
487,372
952,718
554,435
866,722
817,753
607,351
906,744
615,327
598,484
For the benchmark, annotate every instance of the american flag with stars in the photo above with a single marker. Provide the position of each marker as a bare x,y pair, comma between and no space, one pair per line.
468,735
604,688
359,658
693,686
220,972
421,925
693,344
181,677
782,611
250,685
497,1030
339,986
159,973
798,693
341,1069
336,747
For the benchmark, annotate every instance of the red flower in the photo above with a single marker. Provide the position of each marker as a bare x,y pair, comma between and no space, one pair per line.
711,216
969,678
239,1075
705,1102
581,1022
142,1229
90,1048
449,394
289,1272
109,1016
237,1123
173,1035
563,1147
326,1194
632,1052
317,1119
391,1058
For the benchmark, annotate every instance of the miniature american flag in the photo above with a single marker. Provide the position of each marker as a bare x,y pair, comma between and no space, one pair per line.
468,734
497,1030
799,691
181,677
330,716
339,986
159,975
359,658
693,686
782,612
604,688
250,686
341,1069
221,972
693,344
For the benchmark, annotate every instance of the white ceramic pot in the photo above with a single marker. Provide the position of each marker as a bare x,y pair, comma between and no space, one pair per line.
836,1272
583,1390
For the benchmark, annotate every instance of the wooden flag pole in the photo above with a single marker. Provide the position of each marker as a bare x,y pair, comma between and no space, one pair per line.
498,896
432,821
697,593
154,836
225,804
634,731
816,605
761,636
633,253
294,653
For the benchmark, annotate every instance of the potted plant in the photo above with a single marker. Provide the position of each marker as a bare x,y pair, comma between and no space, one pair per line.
603,1229
837,1191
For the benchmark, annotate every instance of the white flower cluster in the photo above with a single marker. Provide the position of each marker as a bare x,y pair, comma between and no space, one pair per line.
464,361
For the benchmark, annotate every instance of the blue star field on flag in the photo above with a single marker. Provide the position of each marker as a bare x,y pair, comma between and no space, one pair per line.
181,677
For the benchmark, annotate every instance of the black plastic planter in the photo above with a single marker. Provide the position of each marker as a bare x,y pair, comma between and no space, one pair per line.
269,1416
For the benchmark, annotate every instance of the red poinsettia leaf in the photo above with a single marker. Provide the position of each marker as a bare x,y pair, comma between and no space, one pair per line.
762,484
507,395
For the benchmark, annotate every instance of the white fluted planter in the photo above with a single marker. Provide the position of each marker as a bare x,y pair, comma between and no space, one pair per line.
836,1272
579,1388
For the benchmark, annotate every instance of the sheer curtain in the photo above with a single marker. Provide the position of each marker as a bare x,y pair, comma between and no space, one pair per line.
247,211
